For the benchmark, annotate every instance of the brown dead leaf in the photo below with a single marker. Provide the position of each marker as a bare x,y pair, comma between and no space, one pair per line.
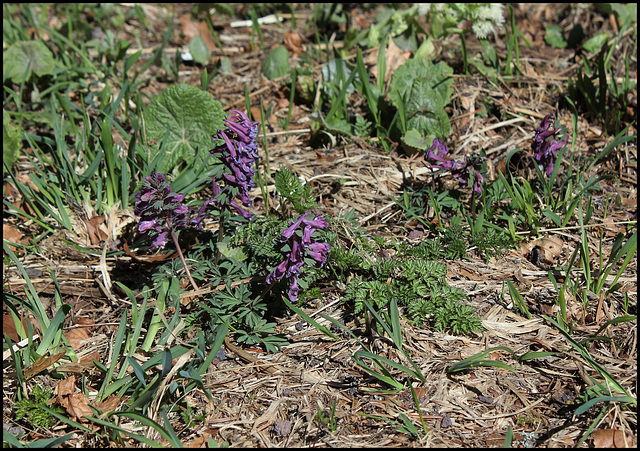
255,112
11,233
109,404
200,441
96,235
155,258
9,327
293,43
394,58
89,358
65,387
85,321
610,438
76,337
192,28
78,405
43,363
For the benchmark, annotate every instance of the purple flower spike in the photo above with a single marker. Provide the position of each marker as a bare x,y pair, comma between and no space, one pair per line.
435,153
459,169
238,154
544,149
301,245
463,171
160,209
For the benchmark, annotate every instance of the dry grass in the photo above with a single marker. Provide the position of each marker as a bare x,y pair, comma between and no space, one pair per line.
273,400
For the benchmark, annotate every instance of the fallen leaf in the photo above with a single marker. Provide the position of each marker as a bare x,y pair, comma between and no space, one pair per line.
255,113
192,28
394,58
43,363
96,236
85,322
65,387
11,233
109,404
76,337
9,327
200,441
610,438
293,43
152,259
77,406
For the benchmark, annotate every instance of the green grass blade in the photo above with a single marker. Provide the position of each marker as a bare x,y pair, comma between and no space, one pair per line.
587,356
115,355
587,405
54,328
140,438
312,321
479,360
150,423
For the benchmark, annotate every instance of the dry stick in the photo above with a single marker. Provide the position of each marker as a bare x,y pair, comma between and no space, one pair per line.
186,268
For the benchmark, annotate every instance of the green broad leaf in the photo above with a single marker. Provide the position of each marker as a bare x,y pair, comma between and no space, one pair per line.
182,120
10,141
276,64
415,141
30,57
422,89
235,254
199,50
554,36
595,43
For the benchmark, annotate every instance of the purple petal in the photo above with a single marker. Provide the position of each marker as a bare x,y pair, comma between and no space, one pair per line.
293,226
294,289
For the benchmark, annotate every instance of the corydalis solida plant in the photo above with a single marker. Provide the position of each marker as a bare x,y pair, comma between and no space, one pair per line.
463,171
545,146
238,153
162,213
300,245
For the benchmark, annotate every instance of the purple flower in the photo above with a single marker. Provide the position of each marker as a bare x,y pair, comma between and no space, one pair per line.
471,167
435,158
544,149
160,209
237,153
301,245
463,171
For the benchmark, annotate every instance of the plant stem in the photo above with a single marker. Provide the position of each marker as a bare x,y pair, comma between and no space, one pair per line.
220,237
186,268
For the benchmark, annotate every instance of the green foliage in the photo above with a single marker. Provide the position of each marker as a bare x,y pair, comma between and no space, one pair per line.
420,286
25,58
32,410
491,242
294,191
182,119
554,37
276,64
199,50
420,90
11,140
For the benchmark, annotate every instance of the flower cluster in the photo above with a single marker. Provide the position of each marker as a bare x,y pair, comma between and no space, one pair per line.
301,245
544,150
484,17
463,171
160,209
238,153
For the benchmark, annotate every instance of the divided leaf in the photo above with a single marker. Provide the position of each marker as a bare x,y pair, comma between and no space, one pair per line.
182,119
